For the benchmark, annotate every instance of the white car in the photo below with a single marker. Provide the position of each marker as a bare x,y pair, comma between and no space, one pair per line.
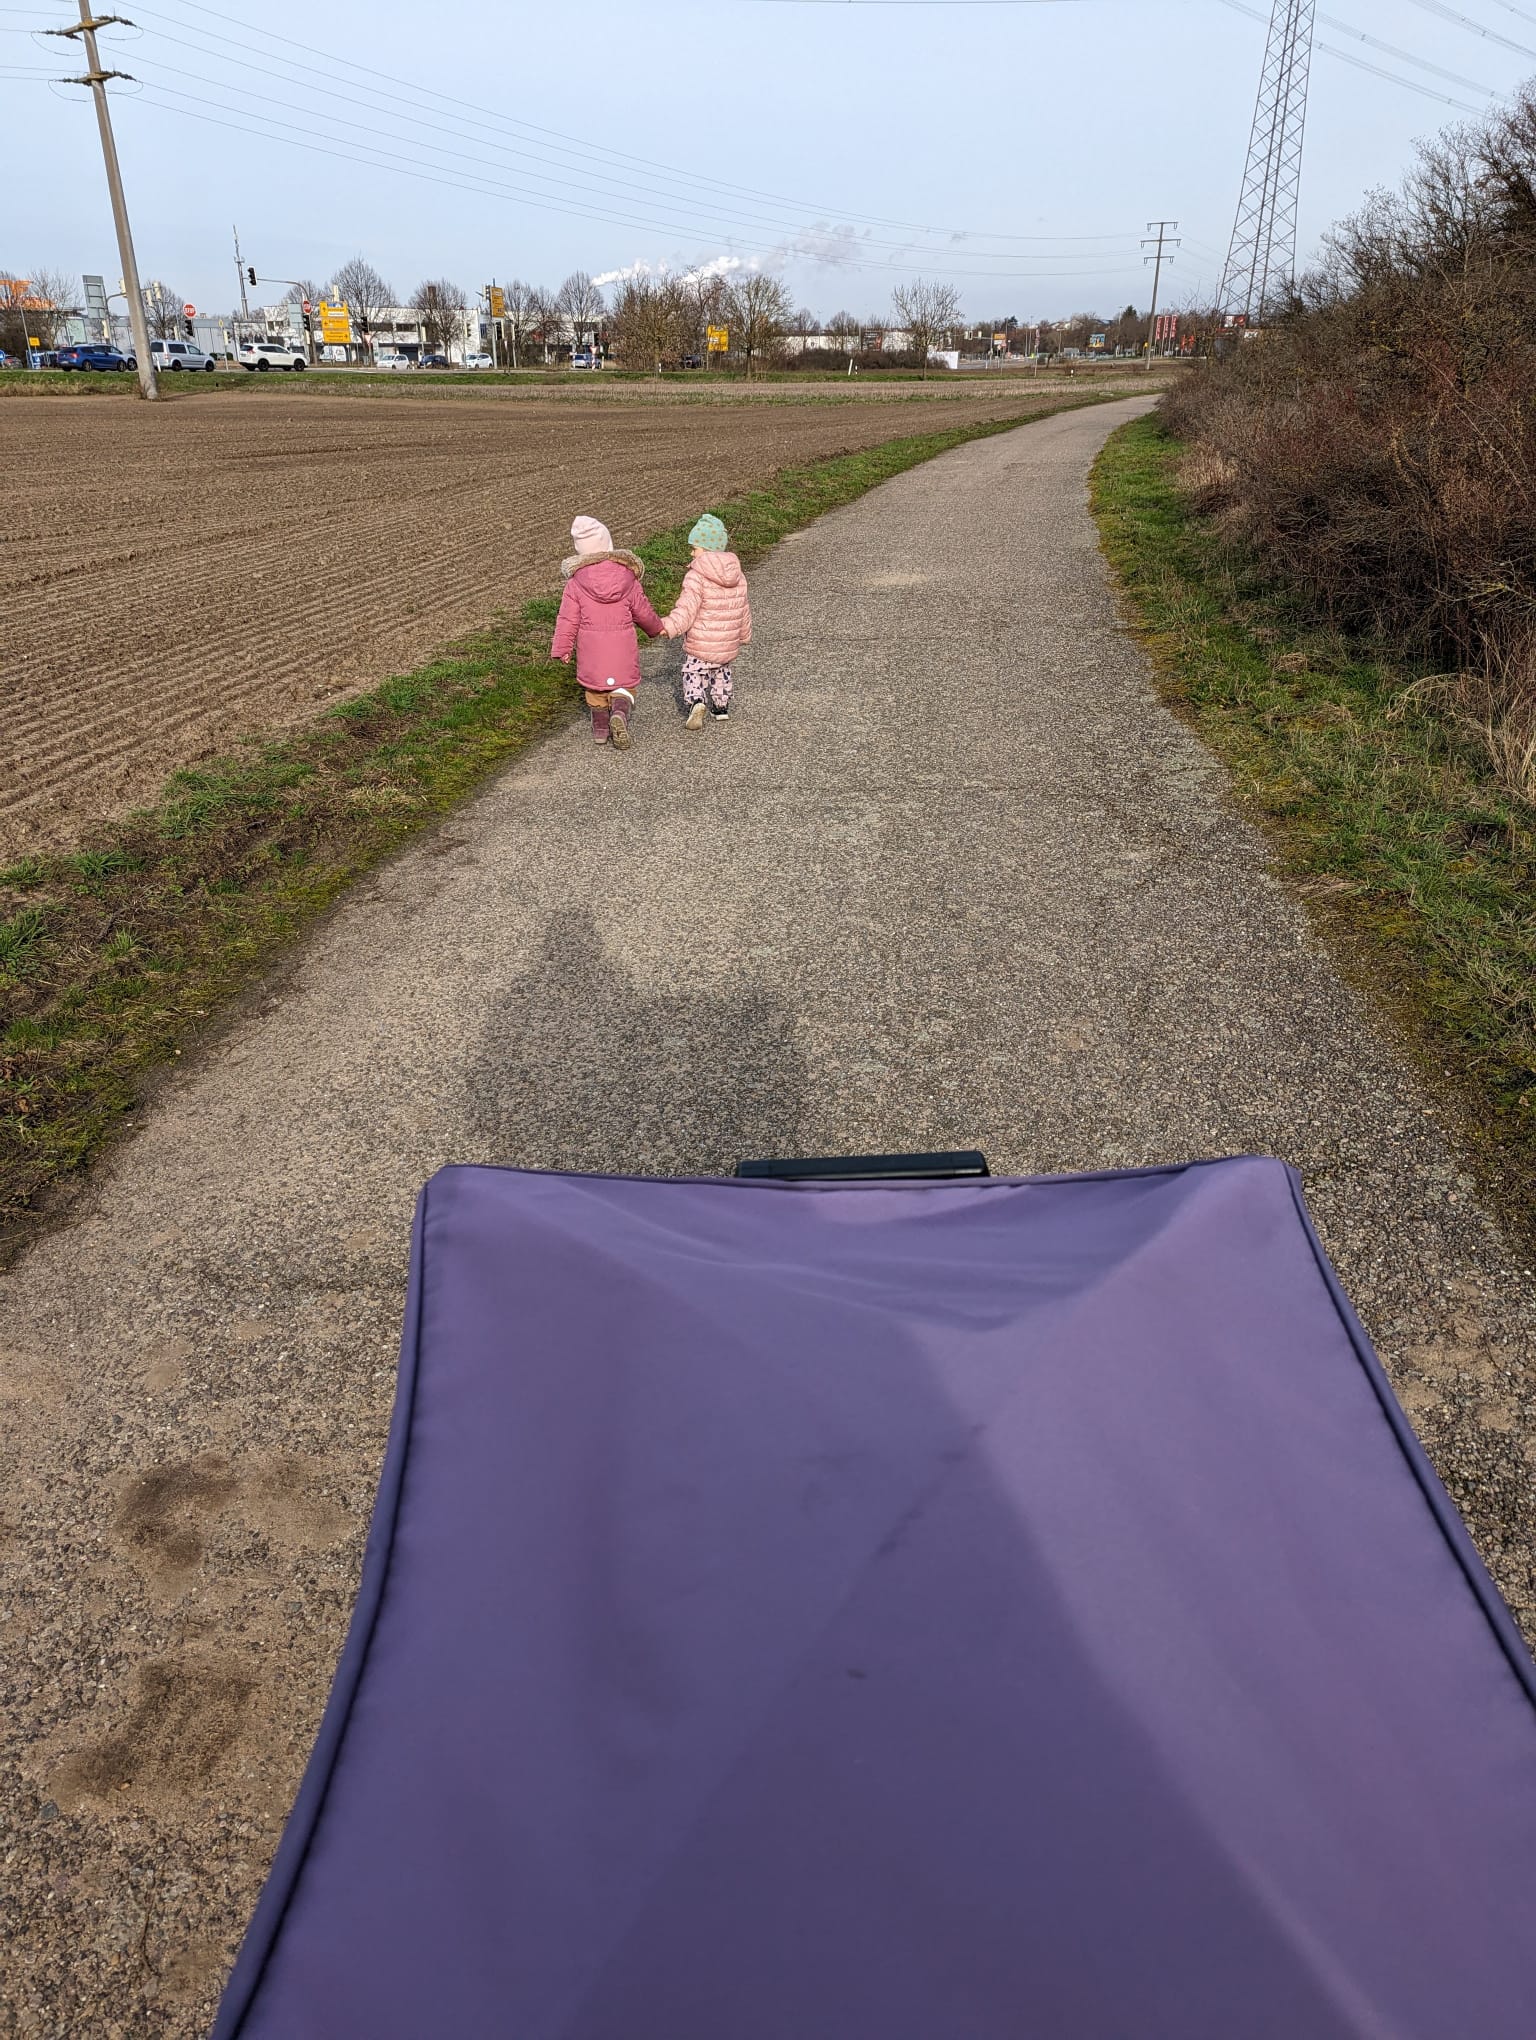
264,354
166,354
396,361
479,361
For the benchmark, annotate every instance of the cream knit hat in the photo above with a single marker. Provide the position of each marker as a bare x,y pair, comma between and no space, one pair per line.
591,537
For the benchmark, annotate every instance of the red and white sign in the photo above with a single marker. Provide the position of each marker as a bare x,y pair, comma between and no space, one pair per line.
189,311
307,308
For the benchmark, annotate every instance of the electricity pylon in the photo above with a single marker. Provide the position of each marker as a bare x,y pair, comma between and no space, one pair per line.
1261,259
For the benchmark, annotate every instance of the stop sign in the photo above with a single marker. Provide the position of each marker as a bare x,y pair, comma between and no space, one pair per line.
189,311
307,308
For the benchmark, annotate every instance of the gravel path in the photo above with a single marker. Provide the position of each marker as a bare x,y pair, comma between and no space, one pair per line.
951,876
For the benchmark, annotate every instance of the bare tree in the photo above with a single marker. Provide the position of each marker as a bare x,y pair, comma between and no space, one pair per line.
845,328
760,309
523,316
440,305
359,286
306,287
548,321
704,301
927,311
650,317
162,309
580,300
36,307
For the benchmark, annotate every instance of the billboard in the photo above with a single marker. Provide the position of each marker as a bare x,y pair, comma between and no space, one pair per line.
96,306
1096,342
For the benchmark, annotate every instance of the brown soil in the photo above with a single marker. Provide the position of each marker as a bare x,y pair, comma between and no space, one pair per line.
180,575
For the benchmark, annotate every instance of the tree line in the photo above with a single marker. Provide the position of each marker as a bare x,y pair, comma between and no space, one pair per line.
648,322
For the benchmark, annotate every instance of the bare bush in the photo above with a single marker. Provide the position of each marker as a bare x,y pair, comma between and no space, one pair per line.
649,320
1376,442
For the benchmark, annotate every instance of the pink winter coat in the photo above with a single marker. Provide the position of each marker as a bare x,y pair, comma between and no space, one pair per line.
602,603
712,609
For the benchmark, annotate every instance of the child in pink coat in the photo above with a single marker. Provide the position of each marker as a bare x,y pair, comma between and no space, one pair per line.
713,618
602,603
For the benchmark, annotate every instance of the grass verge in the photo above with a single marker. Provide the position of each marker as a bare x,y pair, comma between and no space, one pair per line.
113,957
1419,869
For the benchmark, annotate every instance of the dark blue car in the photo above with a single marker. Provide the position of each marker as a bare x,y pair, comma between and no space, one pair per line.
92,357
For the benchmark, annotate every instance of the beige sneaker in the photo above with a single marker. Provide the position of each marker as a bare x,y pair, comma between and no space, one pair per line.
695,717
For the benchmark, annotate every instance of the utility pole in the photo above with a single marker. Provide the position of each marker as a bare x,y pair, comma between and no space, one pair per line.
245,307
1160,228
97,78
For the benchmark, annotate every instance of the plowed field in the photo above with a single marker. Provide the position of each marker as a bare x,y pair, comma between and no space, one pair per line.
174,576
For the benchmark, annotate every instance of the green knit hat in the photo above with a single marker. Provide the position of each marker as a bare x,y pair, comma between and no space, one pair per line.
709,534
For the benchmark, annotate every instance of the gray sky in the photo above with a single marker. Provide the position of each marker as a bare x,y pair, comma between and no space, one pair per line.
820,140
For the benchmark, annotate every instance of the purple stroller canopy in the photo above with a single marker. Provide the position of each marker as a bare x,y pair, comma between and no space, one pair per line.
943,1612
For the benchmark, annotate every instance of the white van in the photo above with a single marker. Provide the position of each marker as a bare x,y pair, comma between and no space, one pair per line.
178,354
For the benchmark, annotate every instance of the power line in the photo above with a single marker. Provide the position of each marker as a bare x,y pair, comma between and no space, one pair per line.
1377,70
1473,27
574,208
1238,7
587,150
377,160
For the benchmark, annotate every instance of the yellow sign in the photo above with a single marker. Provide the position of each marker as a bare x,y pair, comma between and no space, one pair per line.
335,325
719,339
1000,340
498,301
33,341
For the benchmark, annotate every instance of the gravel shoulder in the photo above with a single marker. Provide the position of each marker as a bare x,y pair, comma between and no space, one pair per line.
951,876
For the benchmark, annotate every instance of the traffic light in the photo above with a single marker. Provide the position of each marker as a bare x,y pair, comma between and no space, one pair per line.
309,324
187,328
250,272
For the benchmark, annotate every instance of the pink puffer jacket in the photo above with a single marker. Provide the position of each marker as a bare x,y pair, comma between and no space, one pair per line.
713,615
602,603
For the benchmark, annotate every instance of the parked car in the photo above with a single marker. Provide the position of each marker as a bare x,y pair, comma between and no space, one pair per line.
479,361
434,361
395,361
582,359
266,354
166,354
91,354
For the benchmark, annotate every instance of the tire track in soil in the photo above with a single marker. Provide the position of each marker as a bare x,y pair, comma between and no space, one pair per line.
179,576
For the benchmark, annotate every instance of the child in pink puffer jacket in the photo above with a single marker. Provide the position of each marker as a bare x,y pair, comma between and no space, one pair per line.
714,619
602,603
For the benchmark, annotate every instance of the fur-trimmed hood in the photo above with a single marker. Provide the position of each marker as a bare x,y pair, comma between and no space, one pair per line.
577,561
602,602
